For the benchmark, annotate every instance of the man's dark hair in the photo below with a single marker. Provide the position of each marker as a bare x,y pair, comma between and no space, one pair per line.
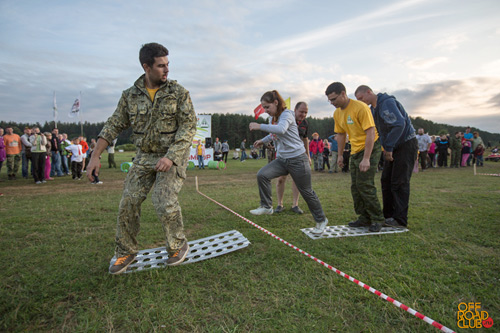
150,51
335,87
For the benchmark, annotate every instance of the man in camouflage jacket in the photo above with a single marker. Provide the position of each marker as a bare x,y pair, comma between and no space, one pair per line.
163,120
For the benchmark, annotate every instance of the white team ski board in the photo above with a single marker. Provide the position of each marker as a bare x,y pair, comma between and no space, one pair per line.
200,249
336,231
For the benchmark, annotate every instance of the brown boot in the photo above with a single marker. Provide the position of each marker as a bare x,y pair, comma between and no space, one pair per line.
121,264
179,256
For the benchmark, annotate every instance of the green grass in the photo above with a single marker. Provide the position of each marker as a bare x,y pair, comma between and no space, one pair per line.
56,241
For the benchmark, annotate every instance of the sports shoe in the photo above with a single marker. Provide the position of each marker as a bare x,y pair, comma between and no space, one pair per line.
375,227
179,256
38,182
279,209
121,264
297,210
390,222
358,224
261,211
320,227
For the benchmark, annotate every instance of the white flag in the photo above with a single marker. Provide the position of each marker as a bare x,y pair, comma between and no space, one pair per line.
75,109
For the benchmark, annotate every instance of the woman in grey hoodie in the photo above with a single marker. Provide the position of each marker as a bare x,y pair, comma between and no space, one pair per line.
290,159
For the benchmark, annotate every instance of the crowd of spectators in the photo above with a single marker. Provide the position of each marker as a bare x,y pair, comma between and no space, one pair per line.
462,149
52,154
44,156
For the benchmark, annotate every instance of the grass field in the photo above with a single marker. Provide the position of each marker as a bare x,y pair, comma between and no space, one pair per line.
56,241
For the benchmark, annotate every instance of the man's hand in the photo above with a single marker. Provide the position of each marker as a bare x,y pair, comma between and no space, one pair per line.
364,165
164,164
388,156
94,165
340,161
254,126
258,143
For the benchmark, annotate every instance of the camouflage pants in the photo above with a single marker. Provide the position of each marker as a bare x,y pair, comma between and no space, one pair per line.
363,190
456,156
13,162
140,179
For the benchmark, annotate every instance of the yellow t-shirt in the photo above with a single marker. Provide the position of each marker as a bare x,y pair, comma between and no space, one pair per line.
152,93
200,150
354,120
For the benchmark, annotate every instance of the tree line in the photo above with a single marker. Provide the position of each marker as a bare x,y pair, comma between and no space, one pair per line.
234,128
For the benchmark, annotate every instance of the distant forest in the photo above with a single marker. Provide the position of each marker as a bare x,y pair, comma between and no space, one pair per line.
234,128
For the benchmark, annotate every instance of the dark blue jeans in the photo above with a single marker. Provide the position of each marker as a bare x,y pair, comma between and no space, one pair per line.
55,167
396,181
200,162
243,155
25,161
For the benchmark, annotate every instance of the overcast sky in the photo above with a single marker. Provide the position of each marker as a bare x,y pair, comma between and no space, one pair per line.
440,58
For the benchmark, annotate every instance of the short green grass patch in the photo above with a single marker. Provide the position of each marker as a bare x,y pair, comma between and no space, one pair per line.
57,239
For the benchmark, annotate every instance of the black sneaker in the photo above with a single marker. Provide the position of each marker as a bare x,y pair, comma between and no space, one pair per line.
279,209
358,224
121,264
297,210
179,256
375,227
390,222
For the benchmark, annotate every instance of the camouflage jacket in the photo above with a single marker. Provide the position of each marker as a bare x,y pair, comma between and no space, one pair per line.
455,143
166,125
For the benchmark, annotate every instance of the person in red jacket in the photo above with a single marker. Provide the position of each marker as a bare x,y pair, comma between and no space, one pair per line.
316,149
85,148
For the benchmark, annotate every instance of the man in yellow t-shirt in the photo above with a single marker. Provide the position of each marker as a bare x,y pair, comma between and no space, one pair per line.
200,150
355,119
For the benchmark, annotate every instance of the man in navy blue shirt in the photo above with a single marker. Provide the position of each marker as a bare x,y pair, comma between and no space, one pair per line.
398,139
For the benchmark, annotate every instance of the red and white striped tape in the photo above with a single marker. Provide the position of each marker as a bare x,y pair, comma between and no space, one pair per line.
485,174
350,278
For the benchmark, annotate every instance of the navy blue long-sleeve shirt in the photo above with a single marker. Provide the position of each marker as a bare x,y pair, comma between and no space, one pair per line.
393,123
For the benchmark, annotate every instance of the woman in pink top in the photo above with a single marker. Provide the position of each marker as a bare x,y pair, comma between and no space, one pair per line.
432,152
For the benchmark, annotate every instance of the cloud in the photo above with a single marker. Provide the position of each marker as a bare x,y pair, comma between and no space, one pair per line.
450,42
389,15
472,101
495,101
420,63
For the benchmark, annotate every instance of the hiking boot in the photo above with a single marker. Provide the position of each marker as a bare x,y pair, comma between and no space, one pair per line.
279,209
179,256
358,224
261,211
375,227
390,222
297,210
121,264
320,227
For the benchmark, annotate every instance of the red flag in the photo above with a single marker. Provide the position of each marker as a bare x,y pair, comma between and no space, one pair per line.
258,111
